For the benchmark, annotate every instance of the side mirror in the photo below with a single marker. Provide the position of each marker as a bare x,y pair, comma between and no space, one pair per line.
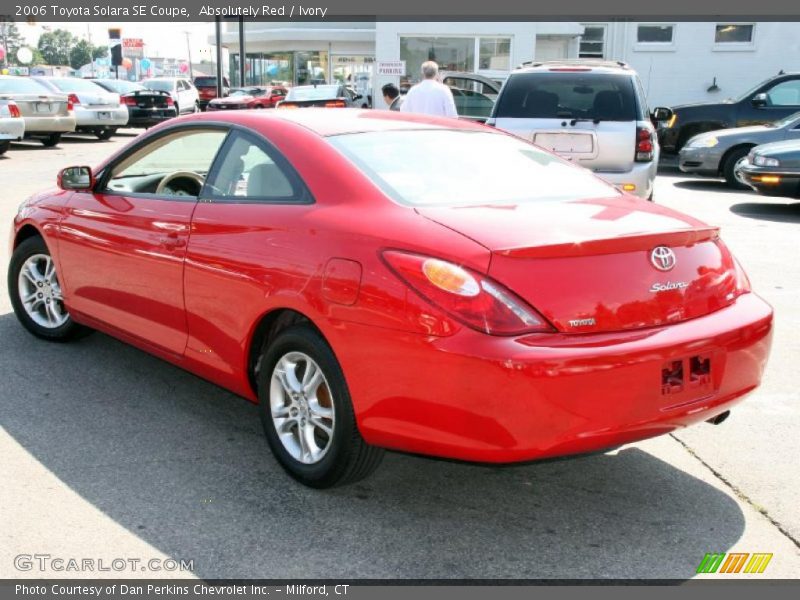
76,178
662,113
759,100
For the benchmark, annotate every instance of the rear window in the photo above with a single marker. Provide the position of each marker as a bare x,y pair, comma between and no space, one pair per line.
75,85
319,92
205,81
160,85
21,85
572,95
449,167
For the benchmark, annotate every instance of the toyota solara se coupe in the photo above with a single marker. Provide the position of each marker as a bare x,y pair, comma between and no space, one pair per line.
383,281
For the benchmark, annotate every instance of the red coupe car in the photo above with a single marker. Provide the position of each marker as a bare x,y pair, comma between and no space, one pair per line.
379,280
250,97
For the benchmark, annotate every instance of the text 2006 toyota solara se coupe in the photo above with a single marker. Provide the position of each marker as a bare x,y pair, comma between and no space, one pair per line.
377,280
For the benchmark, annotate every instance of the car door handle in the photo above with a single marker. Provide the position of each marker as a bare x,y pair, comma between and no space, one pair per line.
172,241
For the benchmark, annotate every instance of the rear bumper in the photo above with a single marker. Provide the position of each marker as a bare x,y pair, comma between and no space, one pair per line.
47,125
146,117
11,128
642,175
90,118
489,399
702,161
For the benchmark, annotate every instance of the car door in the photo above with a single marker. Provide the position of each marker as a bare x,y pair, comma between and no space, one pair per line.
122,245
246,250
770,103
185,96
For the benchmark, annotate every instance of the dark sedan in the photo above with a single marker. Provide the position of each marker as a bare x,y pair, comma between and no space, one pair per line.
773,169
146,107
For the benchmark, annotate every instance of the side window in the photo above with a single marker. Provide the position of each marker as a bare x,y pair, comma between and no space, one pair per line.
248,172
175,164
786,93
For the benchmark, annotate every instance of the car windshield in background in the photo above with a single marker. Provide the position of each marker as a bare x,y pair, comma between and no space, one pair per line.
72,84
205,82
785,121
448,168
570,95
159,85
122,87
21,85
248,92
309,92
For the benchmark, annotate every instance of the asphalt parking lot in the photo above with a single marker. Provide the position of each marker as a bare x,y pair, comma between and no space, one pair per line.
109,453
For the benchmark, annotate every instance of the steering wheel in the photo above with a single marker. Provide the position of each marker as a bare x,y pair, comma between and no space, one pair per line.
192,178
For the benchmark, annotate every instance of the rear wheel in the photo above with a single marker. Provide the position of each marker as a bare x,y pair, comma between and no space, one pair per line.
36,296
105,134
729,168
51,140
307,414
4,146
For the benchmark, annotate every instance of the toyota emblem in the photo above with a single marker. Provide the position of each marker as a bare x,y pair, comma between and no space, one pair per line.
663,258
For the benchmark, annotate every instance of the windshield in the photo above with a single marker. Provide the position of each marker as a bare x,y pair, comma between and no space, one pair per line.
749,92
205,82
308,92
71,84
248,92
450,167
161,85
571,95
784,121
122,87
21,85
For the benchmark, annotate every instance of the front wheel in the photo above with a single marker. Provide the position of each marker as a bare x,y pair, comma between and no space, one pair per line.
105,134
729,168
307,414
36,294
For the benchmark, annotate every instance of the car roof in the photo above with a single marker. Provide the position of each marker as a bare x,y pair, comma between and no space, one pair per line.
579,64
328,122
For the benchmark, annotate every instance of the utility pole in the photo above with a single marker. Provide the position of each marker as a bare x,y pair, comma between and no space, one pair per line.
3,26
189,52
91,48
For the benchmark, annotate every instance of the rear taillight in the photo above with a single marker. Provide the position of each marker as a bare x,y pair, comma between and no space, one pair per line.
469,297
13,110
644,144
285,104
170,101
128,100
742,280
335,104
72,101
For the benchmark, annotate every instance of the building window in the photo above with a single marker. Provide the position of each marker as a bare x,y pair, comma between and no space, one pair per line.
593,42
495,54
729,33
451,54
654,34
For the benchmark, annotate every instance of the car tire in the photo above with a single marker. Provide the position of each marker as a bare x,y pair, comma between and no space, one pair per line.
319,444
36,293
51,140
105,134
729,167
4,146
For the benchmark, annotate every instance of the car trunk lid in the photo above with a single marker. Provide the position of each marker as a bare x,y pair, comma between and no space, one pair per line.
596,265
41,105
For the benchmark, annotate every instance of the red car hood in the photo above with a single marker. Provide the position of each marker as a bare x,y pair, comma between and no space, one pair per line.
233,100
588,266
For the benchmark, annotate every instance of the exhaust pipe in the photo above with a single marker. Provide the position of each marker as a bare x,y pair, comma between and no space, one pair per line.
719,418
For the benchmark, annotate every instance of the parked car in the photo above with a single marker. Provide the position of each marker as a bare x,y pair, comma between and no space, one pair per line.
719,152
183,92
326,96
46,114
471,82
96,110
12,126
773,169
357,274
249,97
769,101
207,89
593,113
146,107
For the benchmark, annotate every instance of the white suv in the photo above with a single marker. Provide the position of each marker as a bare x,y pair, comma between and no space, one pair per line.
184,94
591,112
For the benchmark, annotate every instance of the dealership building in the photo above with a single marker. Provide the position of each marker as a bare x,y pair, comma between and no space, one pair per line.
678,62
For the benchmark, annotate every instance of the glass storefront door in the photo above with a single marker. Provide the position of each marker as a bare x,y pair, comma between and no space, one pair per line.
356,72
294,68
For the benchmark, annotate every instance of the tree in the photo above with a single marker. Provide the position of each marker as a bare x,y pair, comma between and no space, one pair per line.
99,52
55,47
80,54
11,39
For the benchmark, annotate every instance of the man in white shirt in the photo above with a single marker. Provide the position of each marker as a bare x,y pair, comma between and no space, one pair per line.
429,97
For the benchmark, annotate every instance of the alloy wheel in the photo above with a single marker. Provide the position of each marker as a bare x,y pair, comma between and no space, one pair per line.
40,292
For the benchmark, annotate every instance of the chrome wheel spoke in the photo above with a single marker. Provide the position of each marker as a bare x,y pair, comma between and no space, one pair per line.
316,422
40,292
317,410
280,411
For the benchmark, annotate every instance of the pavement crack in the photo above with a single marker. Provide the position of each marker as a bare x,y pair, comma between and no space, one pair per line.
738,492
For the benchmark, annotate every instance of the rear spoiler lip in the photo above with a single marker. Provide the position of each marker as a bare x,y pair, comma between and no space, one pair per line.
614,245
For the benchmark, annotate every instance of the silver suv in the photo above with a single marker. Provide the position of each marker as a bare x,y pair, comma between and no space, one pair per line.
591,112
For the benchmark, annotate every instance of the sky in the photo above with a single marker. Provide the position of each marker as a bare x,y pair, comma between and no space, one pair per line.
161,39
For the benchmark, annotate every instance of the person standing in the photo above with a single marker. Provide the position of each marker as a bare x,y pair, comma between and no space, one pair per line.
429,97
391,95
